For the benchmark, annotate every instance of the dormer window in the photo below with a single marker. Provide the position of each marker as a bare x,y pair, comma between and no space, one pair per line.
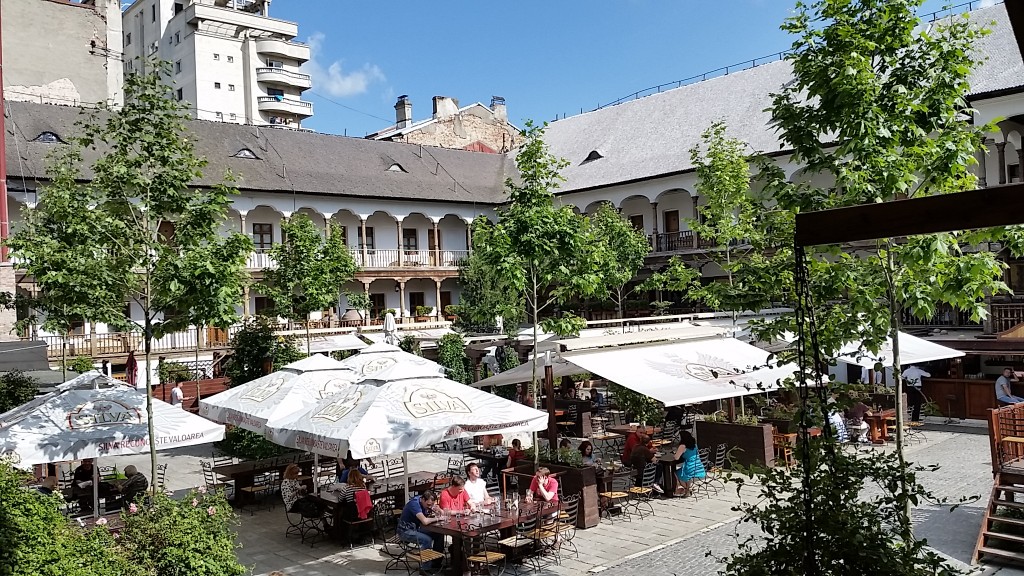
246,154
594,155
48,138
396,167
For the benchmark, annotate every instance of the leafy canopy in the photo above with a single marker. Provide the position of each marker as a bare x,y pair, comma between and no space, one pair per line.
620,249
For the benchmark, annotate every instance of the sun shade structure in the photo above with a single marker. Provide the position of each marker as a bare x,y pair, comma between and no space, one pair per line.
686,372
332,342
294,387
381,356
524,373
913,350
95,416
377,417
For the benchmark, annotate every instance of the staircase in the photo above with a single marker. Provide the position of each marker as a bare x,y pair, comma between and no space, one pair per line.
1002,529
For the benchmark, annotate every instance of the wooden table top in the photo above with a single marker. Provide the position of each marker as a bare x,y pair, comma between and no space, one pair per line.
257,466
626,430
476,523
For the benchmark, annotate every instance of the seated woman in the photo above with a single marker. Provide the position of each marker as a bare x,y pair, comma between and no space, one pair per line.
455,497
515,454
347,494
294,494
587,450
691,467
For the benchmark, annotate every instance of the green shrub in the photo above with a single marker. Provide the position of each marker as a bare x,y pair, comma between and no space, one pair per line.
248,445
424,310
254,342
16,389
173,372
81,364
194,536
409,344
451,353
638,406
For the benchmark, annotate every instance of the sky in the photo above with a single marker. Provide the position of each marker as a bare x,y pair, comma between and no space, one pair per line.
545,58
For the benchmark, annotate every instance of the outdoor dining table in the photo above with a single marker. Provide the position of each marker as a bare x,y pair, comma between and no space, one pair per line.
244,473
627,429
475,524
878,425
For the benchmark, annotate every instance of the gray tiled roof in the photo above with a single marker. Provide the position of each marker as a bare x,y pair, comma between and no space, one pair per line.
305,162
652,136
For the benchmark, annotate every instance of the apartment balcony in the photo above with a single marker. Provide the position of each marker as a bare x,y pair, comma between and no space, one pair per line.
282,77
383,259
284,48
196,13
283,105
678,242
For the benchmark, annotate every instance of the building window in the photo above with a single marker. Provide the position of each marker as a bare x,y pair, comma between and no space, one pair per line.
275,92
637,220
275,64
177,38
261,306
152,12
1013,173
128,39
416,299
343,231
231,87
263,236
233,117
179,7
377,305
216,85
231,58
178,95
369,238
48,138
177,67
216,56
410,241
245,152
219,115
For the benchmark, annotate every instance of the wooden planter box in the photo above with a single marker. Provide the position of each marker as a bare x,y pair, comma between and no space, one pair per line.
783,426
582,481
753,444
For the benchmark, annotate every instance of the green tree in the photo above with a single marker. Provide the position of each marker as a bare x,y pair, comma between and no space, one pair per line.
451,353
309,270
486,293
57,245
876,111
622,249
255,343
16,388
543,252
141,184
360,302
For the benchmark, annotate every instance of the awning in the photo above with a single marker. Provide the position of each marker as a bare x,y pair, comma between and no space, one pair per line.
524,373
913,350
686,372
332,342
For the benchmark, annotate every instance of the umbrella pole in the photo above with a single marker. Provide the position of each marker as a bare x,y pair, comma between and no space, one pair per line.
316,473
405,460
95,489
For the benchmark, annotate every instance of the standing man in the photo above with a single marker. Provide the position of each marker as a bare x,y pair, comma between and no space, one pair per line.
912,377
1003,391
178,397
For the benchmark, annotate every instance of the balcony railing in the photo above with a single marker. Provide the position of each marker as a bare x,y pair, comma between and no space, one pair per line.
390,258
681,240
945,316
273,74
1006,316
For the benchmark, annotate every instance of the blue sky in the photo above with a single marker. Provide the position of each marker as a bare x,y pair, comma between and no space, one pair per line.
545,58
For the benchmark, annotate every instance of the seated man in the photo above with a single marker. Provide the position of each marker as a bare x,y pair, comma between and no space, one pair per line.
642,456
416,514
543,486
476,487
131,488
1003,391
455,497
81,485
858,428
632,441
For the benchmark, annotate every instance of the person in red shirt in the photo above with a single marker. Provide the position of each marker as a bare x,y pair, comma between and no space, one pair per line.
634,439
455,497
543,486
515,454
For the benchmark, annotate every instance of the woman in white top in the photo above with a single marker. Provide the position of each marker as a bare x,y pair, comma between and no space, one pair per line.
476,487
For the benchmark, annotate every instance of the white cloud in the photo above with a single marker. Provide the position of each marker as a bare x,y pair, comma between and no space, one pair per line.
332,79
987,3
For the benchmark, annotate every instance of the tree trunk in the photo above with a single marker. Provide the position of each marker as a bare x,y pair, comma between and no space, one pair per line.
195,372
906,528
64,355
308,345
533,379
620,311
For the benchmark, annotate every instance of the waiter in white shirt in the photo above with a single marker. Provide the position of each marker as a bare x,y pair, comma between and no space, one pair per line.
912,377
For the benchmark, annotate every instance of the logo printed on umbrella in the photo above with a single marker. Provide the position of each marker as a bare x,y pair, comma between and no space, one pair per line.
424,402
338,409
103,413
371,448
377,364
12,457
332,387
261,392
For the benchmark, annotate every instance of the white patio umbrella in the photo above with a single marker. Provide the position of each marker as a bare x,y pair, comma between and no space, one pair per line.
291,389
390,330
377,417
377,357
93,416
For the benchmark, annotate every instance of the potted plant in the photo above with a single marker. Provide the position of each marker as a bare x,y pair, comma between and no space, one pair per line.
753,440
781,417
384,313
423,313
572,475
451,312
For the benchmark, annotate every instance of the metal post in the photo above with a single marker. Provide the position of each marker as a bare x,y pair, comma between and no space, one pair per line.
4,221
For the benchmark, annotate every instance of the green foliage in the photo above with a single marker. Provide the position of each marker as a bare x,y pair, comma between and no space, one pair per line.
636,405
409,344
675,277
36,538
310,268
173,372
565,324
81,364
622,249
424,310
16,388
486,293
358,301
451,310
451,353
509,359
564,456
254,342
194,536
384,313
248,445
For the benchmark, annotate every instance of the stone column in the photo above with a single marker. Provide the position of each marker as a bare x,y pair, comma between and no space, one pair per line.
983,164
654,227
245,302
92,340
362,230
401,300
327,227
437,295
366,285
1020,165
469,238
401,248
1001,149
437,246
241,219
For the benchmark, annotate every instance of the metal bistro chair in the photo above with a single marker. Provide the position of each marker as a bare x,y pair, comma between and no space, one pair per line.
212,482
566,526
455,466
161,477
482,556
524,545
222,459
716,473
412,554
706,483
568,423
615,496
367,524
108,473
260,493
640,496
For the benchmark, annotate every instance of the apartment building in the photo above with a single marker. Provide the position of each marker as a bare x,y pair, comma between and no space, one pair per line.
229,59
475,127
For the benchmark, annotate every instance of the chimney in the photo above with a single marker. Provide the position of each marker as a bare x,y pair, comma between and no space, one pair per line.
445,106
498,107
403,112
